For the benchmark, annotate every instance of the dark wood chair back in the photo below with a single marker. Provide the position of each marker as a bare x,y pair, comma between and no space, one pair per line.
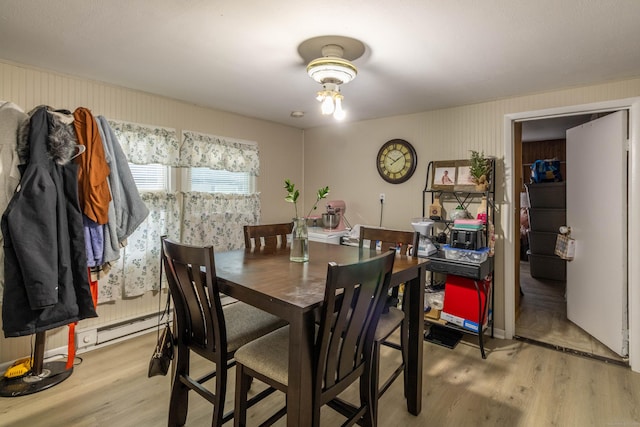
353,304
267,235
393,317
191,274
389,239
343,348
201,328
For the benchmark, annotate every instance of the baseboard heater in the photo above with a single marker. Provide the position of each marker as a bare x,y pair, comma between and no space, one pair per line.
98,337
92,338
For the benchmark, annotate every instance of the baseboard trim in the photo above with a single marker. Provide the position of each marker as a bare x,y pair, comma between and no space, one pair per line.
572,351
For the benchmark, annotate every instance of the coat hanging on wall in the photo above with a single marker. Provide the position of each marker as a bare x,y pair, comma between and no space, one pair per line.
46,279
12,118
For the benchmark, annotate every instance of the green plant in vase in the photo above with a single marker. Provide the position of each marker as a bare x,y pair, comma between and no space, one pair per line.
480,170
299,235
293,194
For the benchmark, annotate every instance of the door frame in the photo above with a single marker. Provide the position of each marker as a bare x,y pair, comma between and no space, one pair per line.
633,191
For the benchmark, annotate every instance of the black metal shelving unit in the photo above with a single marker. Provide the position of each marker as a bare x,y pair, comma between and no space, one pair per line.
478,272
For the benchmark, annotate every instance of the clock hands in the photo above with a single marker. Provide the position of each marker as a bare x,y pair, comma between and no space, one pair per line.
396,159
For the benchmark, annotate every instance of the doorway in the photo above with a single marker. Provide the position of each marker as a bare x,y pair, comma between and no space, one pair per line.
510,222
541,316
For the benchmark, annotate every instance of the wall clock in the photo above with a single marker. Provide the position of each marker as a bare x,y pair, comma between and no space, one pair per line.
396,161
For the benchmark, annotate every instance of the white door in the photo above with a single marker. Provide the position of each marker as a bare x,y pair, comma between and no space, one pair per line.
596,212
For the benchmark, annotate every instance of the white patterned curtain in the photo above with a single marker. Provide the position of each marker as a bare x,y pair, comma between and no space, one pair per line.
219,153
137,271
197,219
218,219
139,267
144,145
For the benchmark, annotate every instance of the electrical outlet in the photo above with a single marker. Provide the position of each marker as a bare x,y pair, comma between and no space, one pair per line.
86,338
382,197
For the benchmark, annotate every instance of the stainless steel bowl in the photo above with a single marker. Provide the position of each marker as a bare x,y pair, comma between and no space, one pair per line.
330,220
314,221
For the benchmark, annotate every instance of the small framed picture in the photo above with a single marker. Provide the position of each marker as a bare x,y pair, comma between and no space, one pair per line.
444,175
464,181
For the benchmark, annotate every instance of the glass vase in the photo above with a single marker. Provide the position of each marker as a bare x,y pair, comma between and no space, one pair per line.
299,241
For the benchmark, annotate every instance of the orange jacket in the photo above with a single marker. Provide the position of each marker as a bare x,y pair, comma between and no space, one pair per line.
93,189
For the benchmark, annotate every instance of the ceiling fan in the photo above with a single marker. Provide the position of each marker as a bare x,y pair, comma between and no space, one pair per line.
332,69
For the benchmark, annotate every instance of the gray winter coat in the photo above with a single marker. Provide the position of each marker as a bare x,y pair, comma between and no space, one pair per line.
126,209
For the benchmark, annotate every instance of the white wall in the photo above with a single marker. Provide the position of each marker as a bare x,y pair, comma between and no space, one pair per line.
343,157
281,150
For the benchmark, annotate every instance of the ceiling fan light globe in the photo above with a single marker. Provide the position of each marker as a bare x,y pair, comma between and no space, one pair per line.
327,106
339,113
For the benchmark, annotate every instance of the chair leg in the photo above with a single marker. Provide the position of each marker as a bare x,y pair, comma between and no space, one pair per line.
221,394
179,402
369,389
374,379
404,339
243,382
315,418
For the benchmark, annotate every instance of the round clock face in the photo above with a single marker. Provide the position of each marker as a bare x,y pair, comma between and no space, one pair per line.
396,161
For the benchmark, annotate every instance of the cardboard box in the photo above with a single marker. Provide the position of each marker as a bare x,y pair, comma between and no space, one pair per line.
464,323
461,302
434,314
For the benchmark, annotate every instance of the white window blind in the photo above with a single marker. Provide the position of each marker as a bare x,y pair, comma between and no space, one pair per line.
150,177
219,181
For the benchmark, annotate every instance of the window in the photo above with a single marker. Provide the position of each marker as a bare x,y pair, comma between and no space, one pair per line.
150,177
219,181
156,177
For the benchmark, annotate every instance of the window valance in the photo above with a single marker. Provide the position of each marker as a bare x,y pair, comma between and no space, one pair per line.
145,145
219,153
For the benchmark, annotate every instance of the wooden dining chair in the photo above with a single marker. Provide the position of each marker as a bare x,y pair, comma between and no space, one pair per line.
267,235
206,328
353,301
393,318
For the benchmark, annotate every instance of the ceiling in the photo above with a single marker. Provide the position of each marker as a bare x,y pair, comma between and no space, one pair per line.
242,56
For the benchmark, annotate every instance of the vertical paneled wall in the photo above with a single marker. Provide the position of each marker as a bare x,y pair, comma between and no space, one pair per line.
278,145
344,157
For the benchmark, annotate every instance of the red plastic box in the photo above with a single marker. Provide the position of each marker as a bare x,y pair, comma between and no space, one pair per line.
461,301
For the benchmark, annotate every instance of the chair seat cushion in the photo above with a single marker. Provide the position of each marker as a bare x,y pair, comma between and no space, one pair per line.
389,322
246,323
268,355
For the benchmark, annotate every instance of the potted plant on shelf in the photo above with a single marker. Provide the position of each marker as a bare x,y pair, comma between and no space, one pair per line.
299,235
480,170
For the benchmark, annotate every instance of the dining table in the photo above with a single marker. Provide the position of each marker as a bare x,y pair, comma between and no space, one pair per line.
265,278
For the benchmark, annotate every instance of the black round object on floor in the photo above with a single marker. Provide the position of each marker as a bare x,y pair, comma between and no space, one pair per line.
52,373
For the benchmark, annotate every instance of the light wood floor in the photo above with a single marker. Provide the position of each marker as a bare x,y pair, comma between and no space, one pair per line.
543,317
517,385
